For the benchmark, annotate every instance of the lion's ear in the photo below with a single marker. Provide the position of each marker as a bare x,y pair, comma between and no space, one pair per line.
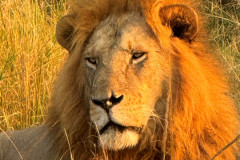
64,31
182,20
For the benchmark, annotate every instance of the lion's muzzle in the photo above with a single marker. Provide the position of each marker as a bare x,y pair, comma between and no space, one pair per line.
107,104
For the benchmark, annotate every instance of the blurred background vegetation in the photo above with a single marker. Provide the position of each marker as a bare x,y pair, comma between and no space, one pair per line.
30,57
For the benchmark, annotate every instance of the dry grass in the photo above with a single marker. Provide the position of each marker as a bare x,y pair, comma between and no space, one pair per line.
29,60
225,30
30,56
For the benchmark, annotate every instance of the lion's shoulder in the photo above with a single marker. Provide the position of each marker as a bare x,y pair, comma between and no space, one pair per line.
31,143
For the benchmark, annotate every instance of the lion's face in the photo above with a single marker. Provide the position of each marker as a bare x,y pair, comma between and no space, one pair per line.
124,69
127,67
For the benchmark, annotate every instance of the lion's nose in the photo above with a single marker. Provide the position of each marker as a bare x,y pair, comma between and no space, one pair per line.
106,104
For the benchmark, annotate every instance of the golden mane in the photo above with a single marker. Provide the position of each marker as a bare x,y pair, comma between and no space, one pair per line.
202,118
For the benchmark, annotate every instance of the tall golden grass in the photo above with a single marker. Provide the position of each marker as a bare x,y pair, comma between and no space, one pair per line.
30,57
29,60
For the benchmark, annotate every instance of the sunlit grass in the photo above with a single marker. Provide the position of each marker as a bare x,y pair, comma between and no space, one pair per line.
29,60
30,56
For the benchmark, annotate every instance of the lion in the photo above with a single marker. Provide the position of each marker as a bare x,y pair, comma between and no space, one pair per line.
140,83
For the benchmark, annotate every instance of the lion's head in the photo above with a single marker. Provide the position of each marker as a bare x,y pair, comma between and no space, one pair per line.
125,69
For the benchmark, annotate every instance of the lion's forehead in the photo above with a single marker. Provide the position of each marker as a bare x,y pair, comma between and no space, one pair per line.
118,33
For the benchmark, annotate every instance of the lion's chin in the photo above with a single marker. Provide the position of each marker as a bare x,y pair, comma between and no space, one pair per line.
113,139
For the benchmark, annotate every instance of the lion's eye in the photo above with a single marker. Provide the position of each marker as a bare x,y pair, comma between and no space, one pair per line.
139,57
91,62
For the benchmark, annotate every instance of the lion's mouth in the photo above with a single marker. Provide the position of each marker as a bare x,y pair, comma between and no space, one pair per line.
119,127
